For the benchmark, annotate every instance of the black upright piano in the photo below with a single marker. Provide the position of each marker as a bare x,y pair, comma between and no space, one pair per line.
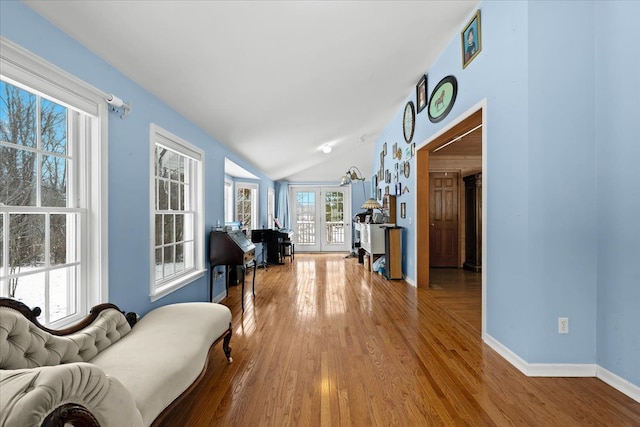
273,239
233,249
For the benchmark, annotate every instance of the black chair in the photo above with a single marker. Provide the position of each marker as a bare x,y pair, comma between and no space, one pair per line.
287,249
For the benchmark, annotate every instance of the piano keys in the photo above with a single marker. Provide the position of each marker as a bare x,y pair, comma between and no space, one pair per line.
231,248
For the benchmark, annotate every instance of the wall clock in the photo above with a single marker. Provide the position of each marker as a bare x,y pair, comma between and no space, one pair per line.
442,99
409,121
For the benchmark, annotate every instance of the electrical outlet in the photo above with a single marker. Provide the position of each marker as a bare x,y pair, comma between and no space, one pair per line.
563,325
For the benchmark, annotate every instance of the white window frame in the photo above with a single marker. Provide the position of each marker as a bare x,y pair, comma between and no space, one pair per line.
165,286
22,68
255,191
229,200
271,207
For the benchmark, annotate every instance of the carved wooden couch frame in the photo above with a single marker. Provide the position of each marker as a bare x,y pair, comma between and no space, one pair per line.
83,356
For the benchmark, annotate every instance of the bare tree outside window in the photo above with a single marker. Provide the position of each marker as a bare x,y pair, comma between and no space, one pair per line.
33,174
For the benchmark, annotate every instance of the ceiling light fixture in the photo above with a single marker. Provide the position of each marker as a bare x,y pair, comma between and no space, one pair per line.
457,138
326,148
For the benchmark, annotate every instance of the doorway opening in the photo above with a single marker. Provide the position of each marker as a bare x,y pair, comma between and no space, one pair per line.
450,207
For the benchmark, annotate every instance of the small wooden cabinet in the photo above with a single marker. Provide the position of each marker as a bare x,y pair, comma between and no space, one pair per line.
473,222
393,252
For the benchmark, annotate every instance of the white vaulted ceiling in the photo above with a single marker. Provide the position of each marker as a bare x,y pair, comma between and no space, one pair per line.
273,80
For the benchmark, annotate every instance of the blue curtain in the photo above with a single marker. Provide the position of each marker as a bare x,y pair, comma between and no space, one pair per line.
282,204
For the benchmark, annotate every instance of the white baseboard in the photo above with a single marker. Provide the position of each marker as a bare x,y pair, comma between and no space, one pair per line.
410,281
222,295
503,351
563,369
619,383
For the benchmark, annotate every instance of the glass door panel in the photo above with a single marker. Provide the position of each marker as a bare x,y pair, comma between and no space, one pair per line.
321,217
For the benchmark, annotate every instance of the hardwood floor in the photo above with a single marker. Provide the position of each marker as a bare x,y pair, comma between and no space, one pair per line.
326,343
460,292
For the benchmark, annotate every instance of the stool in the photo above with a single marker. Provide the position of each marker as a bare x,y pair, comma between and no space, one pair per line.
287,249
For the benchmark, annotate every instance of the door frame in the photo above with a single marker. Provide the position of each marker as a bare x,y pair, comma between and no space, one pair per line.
322,188
466,121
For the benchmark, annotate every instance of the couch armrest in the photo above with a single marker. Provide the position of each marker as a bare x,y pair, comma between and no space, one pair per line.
72,391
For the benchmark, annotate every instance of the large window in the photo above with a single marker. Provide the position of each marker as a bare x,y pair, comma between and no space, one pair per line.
52,210
247,205
177,224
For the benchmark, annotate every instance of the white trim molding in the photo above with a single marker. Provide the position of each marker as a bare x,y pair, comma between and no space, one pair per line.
573,370
619,383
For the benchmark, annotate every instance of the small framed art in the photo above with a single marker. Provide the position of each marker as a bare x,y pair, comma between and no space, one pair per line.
471,40
421,94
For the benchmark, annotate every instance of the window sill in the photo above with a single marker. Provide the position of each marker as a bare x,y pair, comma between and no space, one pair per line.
176,284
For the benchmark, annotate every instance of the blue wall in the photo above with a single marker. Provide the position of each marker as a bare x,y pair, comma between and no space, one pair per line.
562,199
129,261
617,107
562,181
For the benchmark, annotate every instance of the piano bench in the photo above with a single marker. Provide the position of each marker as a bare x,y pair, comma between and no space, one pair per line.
287,249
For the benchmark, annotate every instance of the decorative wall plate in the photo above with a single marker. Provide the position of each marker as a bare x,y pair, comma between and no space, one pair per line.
442,99
409,121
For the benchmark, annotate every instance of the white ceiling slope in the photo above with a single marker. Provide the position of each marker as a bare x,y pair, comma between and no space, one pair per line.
273,80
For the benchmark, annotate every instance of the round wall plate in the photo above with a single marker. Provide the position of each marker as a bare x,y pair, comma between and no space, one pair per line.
442,99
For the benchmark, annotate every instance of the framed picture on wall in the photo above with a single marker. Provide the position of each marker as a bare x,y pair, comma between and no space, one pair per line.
471,40
421,94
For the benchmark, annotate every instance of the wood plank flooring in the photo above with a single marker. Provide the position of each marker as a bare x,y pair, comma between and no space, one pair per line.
326,343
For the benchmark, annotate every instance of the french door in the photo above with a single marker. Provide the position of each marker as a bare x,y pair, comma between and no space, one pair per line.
321,218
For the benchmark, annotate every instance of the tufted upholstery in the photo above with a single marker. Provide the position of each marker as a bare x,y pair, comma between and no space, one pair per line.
23,345
29,395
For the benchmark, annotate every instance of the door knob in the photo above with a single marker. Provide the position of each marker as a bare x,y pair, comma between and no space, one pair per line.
433,225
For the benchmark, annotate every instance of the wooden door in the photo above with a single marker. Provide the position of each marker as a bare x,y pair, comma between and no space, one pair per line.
443,219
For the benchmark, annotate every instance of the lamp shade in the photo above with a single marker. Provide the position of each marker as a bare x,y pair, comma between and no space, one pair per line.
371,204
